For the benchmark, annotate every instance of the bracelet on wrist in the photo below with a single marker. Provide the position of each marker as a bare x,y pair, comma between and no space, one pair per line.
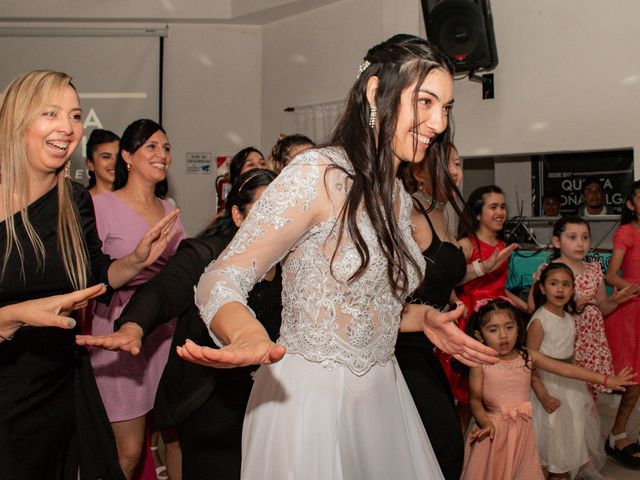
477,267
606,378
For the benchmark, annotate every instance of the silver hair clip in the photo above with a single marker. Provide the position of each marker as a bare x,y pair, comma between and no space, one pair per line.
363,67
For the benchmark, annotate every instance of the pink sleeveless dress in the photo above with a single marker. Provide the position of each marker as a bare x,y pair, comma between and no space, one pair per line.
128,384
513,452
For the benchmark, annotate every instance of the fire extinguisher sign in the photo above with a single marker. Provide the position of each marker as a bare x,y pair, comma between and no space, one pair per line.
198,162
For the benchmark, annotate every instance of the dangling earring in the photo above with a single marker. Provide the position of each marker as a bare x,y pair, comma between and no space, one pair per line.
128,167
67,169
372,117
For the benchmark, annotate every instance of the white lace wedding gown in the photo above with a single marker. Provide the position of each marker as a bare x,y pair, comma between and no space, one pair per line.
336,406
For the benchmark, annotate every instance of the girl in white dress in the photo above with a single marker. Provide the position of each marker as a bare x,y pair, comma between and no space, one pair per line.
336,405
565,418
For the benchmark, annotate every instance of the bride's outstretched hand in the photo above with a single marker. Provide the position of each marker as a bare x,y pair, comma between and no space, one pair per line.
246,350
444,333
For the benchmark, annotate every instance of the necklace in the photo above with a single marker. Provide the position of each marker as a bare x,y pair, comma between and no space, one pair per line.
429,200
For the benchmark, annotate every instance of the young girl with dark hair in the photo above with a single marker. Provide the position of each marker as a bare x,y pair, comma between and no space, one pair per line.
205,405
623,325
565,417
336,405
502,444
482,243
102,151
571,241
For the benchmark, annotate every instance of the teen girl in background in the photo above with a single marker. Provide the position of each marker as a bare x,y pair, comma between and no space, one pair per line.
623,325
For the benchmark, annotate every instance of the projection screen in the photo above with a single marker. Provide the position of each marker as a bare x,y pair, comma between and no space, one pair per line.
118,75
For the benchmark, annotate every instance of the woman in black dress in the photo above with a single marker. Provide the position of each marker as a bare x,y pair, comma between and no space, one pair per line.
206,405
446,267
52,422
433,183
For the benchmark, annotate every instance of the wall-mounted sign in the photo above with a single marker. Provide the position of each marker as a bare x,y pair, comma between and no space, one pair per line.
198,162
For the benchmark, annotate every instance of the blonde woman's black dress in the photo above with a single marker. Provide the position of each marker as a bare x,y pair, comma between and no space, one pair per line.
52,421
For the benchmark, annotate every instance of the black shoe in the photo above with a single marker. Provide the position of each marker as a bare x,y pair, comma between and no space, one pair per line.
625,455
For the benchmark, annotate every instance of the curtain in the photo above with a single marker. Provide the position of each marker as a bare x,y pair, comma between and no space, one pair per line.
318,121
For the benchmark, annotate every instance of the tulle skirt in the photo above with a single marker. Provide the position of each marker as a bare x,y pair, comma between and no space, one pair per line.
306,421
569,437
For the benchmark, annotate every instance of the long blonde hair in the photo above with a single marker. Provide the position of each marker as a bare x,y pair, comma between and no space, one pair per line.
24,101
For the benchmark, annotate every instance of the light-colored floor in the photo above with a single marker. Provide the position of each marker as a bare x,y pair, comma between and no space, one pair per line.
607,406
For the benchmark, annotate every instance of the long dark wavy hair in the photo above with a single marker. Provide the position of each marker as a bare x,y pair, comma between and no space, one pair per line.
628,215
560,226
238,161
399,62
482,316
240,195
540,299
98,137
133,137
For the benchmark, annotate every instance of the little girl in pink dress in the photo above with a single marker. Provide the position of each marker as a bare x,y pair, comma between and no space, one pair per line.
501,445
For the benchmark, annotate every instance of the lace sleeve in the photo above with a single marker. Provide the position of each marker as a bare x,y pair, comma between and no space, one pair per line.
286,211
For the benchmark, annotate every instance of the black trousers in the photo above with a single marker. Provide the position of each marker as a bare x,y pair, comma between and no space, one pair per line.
432,395
211,436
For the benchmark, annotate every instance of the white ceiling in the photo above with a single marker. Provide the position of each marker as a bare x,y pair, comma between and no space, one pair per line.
245,12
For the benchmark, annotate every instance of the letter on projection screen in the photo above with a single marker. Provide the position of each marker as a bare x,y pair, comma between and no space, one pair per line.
116,77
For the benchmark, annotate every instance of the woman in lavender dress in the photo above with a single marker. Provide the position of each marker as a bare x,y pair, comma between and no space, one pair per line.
128,384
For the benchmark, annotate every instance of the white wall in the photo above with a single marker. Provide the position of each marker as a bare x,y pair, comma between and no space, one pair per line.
212,96
314,57
568,79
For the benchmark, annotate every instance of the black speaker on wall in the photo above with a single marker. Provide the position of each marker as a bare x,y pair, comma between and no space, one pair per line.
463,29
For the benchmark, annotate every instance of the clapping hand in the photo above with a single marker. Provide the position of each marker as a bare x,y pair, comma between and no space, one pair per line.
155,240
493,262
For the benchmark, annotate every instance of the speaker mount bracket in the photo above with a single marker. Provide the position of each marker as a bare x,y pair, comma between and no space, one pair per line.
487,84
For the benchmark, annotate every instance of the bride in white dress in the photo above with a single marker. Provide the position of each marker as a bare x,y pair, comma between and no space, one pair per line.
336,406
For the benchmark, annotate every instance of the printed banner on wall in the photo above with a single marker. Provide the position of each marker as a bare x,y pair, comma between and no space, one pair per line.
563,174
